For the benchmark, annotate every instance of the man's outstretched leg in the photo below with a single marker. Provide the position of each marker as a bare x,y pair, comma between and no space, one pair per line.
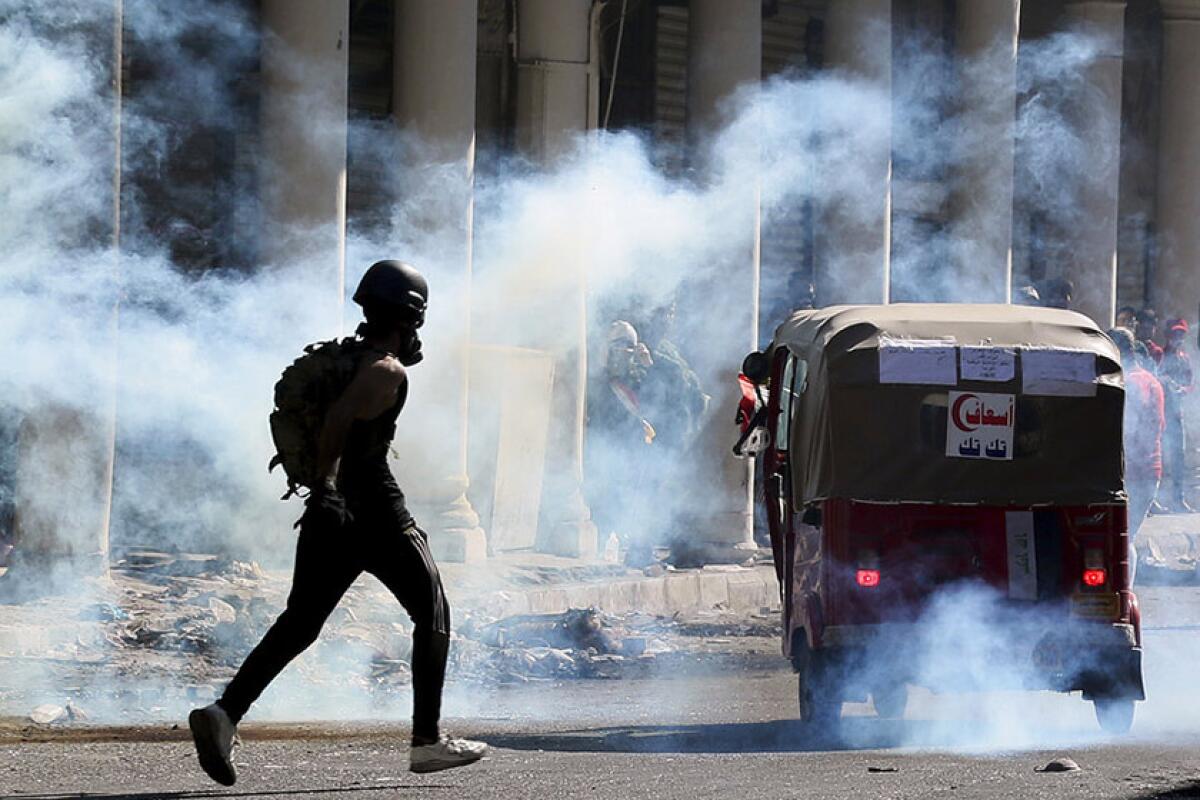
406,567
321,577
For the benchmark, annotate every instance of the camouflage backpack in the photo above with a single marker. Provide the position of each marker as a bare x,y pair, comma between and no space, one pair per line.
303,395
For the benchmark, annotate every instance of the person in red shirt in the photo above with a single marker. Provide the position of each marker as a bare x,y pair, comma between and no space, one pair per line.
1143,424
1175,372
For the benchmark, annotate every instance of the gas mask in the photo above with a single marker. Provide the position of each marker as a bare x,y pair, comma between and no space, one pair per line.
628,359
410,349
628,362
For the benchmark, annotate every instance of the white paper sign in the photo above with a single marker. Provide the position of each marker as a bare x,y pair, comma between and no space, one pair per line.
1060,373
980,426
920,361
1022,555
998,364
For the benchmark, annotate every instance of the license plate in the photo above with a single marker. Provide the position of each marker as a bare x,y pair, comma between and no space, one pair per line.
1022,555
1096,606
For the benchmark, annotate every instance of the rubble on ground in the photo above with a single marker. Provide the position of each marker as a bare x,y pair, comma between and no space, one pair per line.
586,643
186,622
1157,570
1168,557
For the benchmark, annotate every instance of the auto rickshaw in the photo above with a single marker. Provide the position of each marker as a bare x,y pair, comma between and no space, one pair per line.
919,457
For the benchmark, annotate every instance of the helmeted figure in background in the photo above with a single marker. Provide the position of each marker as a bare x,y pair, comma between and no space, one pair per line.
356,520
622,439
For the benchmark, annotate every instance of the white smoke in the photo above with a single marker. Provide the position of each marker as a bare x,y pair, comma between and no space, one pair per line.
198,353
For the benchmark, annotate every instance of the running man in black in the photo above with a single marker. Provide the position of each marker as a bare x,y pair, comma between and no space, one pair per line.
357,521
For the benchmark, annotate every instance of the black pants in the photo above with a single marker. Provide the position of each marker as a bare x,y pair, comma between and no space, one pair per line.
383,542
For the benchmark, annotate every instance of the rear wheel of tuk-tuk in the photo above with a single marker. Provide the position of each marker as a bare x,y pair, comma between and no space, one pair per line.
1115,715
816,708
820,699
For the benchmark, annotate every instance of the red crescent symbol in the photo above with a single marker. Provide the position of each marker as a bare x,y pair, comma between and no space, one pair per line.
956,412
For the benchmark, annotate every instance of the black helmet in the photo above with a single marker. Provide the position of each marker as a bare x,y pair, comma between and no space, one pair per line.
394,289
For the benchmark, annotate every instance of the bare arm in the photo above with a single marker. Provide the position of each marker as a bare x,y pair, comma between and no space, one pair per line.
371,392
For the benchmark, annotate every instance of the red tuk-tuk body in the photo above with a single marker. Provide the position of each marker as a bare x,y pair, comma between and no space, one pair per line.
942,479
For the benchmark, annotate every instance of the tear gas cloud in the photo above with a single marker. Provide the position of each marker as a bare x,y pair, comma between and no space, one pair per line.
191,357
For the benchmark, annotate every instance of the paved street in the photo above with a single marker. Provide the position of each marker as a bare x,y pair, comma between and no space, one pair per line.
670,739
723,735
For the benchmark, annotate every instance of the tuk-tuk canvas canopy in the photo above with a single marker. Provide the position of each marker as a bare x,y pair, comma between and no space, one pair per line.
861,433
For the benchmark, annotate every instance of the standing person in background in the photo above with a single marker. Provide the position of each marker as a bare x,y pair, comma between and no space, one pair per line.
1144,423
672,385
1175,372
621,443
1056,292
678,405
1127,318
1146,331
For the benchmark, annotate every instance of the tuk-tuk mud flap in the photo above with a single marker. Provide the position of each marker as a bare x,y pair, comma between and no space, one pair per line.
1106,666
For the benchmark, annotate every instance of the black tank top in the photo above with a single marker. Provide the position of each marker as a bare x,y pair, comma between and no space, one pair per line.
364,475
368,439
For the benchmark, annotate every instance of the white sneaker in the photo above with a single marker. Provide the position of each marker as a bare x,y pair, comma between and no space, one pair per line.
445,753
213,733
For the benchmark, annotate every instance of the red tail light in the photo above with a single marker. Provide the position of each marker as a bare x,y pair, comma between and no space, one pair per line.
1094,572
867,578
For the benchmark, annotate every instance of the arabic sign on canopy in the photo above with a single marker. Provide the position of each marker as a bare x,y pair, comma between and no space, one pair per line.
980,425
995,364
1055,372
919,361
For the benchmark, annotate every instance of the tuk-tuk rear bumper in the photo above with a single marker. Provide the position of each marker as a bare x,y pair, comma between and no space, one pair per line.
1097,635
1101,660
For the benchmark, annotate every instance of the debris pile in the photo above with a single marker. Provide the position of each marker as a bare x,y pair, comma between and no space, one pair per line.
172,628
50,714
578,643
1167,554
586,643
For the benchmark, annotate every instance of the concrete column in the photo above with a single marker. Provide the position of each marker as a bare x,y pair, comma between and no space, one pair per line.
1175,290
303,169
557,90
724,57
66,452
1092,250
855,261
987,35
557,100
63,495
433,94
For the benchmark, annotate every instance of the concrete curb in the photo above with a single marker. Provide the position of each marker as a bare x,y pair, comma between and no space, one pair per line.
744,590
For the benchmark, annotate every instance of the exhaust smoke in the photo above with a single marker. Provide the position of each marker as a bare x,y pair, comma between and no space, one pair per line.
190,360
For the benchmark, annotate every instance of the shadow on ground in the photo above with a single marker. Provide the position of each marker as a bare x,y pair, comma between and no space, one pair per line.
782,736
1186,791
224,793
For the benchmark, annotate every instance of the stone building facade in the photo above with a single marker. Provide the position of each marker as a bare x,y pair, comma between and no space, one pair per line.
480,80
